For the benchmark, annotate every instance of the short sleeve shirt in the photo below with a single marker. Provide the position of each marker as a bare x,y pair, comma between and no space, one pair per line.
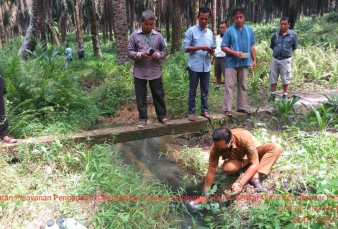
283,46
238,40
243,145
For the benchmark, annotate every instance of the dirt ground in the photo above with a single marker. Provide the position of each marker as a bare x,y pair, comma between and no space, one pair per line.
129,115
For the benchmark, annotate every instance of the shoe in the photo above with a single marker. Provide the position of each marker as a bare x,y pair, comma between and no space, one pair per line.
8,139
228,113
246,111
285,97
191,117
217,87
206,115
165,121
272,98
141,124
258,185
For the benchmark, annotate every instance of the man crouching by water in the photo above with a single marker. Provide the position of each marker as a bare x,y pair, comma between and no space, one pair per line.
237,149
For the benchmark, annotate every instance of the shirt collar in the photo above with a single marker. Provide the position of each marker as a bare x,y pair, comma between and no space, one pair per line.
140,31
198,25
287,32
233,144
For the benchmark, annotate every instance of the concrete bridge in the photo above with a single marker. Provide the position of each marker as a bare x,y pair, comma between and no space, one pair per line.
128,133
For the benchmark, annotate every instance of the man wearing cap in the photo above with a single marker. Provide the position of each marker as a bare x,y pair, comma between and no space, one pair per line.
237,149
283,43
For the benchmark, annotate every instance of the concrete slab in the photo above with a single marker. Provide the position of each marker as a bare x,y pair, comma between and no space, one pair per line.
129,133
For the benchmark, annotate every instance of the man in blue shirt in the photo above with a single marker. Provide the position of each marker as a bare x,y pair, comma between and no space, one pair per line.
238,43
69,53
283,43
198,42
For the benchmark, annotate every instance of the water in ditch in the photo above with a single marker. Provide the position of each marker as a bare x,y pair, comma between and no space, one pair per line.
149,157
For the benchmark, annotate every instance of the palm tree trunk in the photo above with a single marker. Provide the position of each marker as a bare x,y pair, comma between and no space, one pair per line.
176,27
63,24
168,6
196,9
33,29
214,9
121,30
131,15
77,6
2,30
90,4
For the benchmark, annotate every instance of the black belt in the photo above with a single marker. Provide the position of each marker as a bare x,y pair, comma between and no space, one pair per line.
282,57
220,57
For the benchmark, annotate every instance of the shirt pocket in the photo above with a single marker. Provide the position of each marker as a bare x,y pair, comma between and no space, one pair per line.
209,42
196,41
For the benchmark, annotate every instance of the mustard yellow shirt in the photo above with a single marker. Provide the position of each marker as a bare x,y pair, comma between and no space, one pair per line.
242,145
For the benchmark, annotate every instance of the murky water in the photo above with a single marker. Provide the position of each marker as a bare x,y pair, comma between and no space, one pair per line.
149,156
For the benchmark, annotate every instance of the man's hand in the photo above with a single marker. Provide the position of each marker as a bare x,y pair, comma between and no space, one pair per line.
207,48
238,54
253,64
144,55
154,56
200,200
237,187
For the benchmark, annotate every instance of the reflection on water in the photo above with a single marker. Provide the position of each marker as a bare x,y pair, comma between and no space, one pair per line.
148,157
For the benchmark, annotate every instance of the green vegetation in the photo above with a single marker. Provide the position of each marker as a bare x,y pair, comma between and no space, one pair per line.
112,195
46,95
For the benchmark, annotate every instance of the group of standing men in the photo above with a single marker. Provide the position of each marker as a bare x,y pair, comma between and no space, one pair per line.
232,56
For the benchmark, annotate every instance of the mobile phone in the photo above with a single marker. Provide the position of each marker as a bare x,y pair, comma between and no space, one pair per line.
151,52
213,47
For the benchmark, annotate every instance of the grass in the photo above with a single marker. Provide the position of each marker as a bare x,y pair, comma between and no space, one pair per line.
62,171
307,166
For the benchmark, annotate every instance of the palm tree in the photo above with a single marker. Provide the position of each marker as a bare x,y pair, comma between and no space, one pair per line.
121,30
176,26
33,30
90,5
196,9
77,10
2,29
213,22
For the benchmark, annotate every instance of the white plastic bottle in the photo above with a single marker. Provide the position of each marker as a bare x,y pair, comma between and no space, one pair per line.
70,223
51,225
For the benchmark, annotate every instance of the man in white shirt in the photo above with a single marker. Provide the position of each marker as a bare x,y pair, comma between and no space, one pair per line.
218,60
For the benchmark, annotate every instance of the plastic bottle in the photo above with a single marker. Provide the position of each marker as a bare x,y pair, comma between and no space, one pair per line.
190,204
70,223
51,225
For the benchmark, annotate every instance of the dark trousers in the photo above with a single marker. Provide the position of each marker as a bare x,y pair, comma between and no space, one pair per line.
194,77
157,91
3,120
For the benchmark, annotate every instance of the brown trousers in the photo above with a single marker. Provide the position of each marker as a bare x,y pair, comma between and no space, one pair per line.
268,155
234,75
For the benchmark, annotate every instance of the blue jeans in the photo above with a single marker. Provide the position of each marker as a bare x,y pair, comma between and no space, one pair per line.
194,77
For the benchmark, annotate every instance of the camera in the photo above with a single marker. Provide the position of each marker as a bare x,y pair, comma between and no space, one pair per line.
151,52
